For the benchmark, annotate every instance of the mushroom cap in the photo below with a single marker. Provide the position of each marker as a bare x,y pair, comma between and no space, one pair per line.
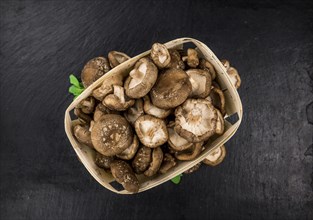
200,81
171,89
190,153
151,131
195,120
157,158
168,162
177,142
123,174
93,70
118,101
220,123
103,161
234,76
107,86
142,159
192,58
151,109
216,157
82,134
141,79
133,113
111,134
160,55
116,58
218,99
130,152
206,65
176,61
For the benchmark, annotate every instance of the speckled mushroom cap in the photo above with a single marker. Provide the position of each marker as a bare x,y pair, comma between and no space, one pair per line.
141,78
171,89
111,134
195,120
93,70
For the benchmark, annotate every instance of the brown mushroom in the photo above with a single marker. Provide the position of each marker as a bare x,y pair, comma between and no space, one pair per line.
171,89
123,174
156,161
192,58
218,99
234,76
102,161
116,58
142,160
141,79
118,100
190,153
216,156
206,65
168,163
133,113
219,123
130,152
160,55
200,81
193,169
93,70
177,142
176,61
107,86
195,120
111,134
87,105
82,134
83,118
151,131
225,63
151,109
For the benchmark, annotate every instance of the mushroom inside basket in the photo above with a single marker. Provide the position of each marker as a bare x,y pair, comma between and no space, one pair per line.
143,120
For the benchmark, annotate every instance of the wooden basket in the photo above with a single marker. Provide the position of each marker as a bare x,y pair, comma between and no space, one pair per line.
233,118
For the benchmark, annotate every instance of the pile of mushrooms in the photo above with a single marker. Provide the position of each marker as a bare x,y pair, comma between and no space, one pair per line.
163,112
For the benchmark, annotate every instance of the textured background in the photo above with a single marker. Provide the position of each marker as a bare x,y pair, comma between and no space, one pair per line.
268,170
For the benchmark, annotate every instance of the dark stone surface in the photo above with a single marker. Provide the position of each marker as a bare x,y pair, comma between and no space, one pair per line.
268,170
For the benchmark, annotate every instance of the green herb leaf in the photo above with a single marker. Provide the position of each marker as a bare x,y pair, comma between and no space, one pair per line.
75,91
177,179
74,81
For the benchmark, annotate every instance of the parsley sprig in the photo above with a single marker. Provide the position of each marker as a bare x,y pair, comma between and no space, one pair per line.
76,87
